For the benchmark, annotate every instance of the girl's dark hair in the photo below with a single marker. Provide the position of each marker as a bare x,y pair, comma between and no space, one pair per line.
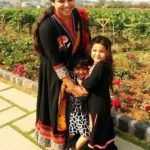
80,60
107,44
37,43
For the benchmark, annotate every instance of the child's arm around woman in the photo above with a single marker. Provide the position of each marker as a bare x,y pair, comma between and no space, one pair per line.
96,75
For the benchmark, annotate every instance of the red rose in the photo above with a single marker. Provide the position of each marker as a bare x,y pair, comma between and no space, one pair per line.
117,82
115,103
147,108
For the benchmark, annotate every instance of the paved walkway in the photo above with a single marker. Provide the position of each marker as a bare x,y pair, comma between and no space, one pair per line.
17,119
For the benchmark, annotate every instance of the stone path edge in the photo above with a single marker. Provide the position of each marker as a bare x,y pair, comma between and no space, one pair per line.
21,81
138,129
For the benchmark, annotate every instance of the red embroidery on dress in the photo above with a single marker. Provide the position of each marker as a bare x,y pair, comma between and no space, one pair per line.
47,132
62,41
58,66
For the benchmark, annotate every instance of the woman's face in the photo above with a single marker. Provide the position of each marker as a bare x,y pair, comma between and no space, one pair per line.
64,8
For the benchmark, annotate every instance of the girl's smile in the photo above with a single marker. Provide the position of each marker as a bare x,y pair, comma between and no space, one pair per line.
98,53
81,72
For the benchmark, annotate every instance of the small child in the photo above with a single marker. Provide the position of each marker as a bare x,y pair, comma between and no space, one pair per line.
99,103
78,112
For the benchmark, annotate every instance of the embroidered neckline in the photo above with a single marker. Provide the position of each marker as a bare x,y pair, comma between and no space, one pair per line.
71,33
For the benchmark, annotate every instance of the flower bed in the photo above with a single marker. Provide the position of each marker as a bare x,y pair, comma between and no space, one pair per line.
132,71
131,94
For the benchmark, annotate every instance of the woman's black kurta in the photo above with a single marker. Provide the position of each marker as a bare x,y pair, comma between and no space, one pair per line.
57,43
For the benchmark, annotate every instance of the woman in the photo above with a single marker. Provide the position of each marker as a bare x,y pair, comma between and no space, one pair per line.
59,36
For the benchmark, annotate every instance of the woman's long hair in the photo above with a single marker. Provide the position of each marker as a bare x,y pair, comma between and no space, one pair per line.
109,59
37,43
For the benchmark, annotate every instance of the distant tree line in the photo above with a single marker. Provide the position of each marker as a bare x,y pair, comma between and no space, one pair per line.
113,4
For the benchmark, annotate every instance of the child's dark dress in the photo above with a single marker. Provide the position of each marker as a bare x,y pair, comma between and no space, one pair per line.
97,84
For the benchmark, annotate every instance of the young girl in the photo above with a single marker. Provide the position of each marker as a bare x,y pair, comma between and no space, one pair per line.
98,84
78,109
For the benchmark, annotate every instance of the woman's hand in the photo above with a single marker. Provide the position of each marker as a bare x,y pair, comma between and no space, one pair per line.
77,91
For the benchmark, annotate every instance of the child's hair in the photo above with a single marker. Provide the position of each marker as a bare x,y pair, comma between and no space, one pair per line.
81,60
107,44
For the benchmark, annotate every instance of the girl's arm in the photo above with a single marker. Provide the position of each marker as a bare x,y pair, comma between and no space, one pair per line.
96,75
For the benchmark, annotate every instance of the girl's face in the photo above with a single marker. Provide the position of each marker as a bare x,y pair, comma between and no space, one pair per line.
81,72
64,7
98,52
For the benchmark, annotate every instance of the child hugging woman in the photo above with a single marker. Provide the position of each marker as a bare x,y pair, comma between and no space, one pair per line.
78,108
98,84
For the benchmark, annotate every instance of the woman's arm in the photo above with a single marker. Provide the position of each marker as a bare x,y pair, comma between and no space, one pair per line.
48,36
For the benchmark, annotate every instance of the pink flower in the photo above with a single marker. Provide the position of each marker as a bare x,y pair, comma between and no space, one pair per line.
115,103
83,13
20,67
117,82
24,75
20,70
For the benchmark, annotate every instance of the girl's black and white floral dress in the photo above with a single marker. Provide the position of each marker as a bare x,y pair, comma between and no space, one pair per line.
78,114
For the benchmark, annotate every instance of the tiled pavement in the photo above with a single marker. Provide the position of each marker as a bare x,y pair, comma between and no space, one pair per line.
17,119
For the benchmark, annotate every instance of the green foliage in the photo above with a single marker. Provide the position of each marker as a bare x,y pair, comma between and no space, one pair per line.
14,51
6,15
18,51
145,87
126,22
123,73
18,18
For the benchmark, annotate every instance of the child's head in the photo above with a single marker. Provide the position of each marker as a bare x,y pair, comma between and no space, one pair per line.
101,49
80,65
